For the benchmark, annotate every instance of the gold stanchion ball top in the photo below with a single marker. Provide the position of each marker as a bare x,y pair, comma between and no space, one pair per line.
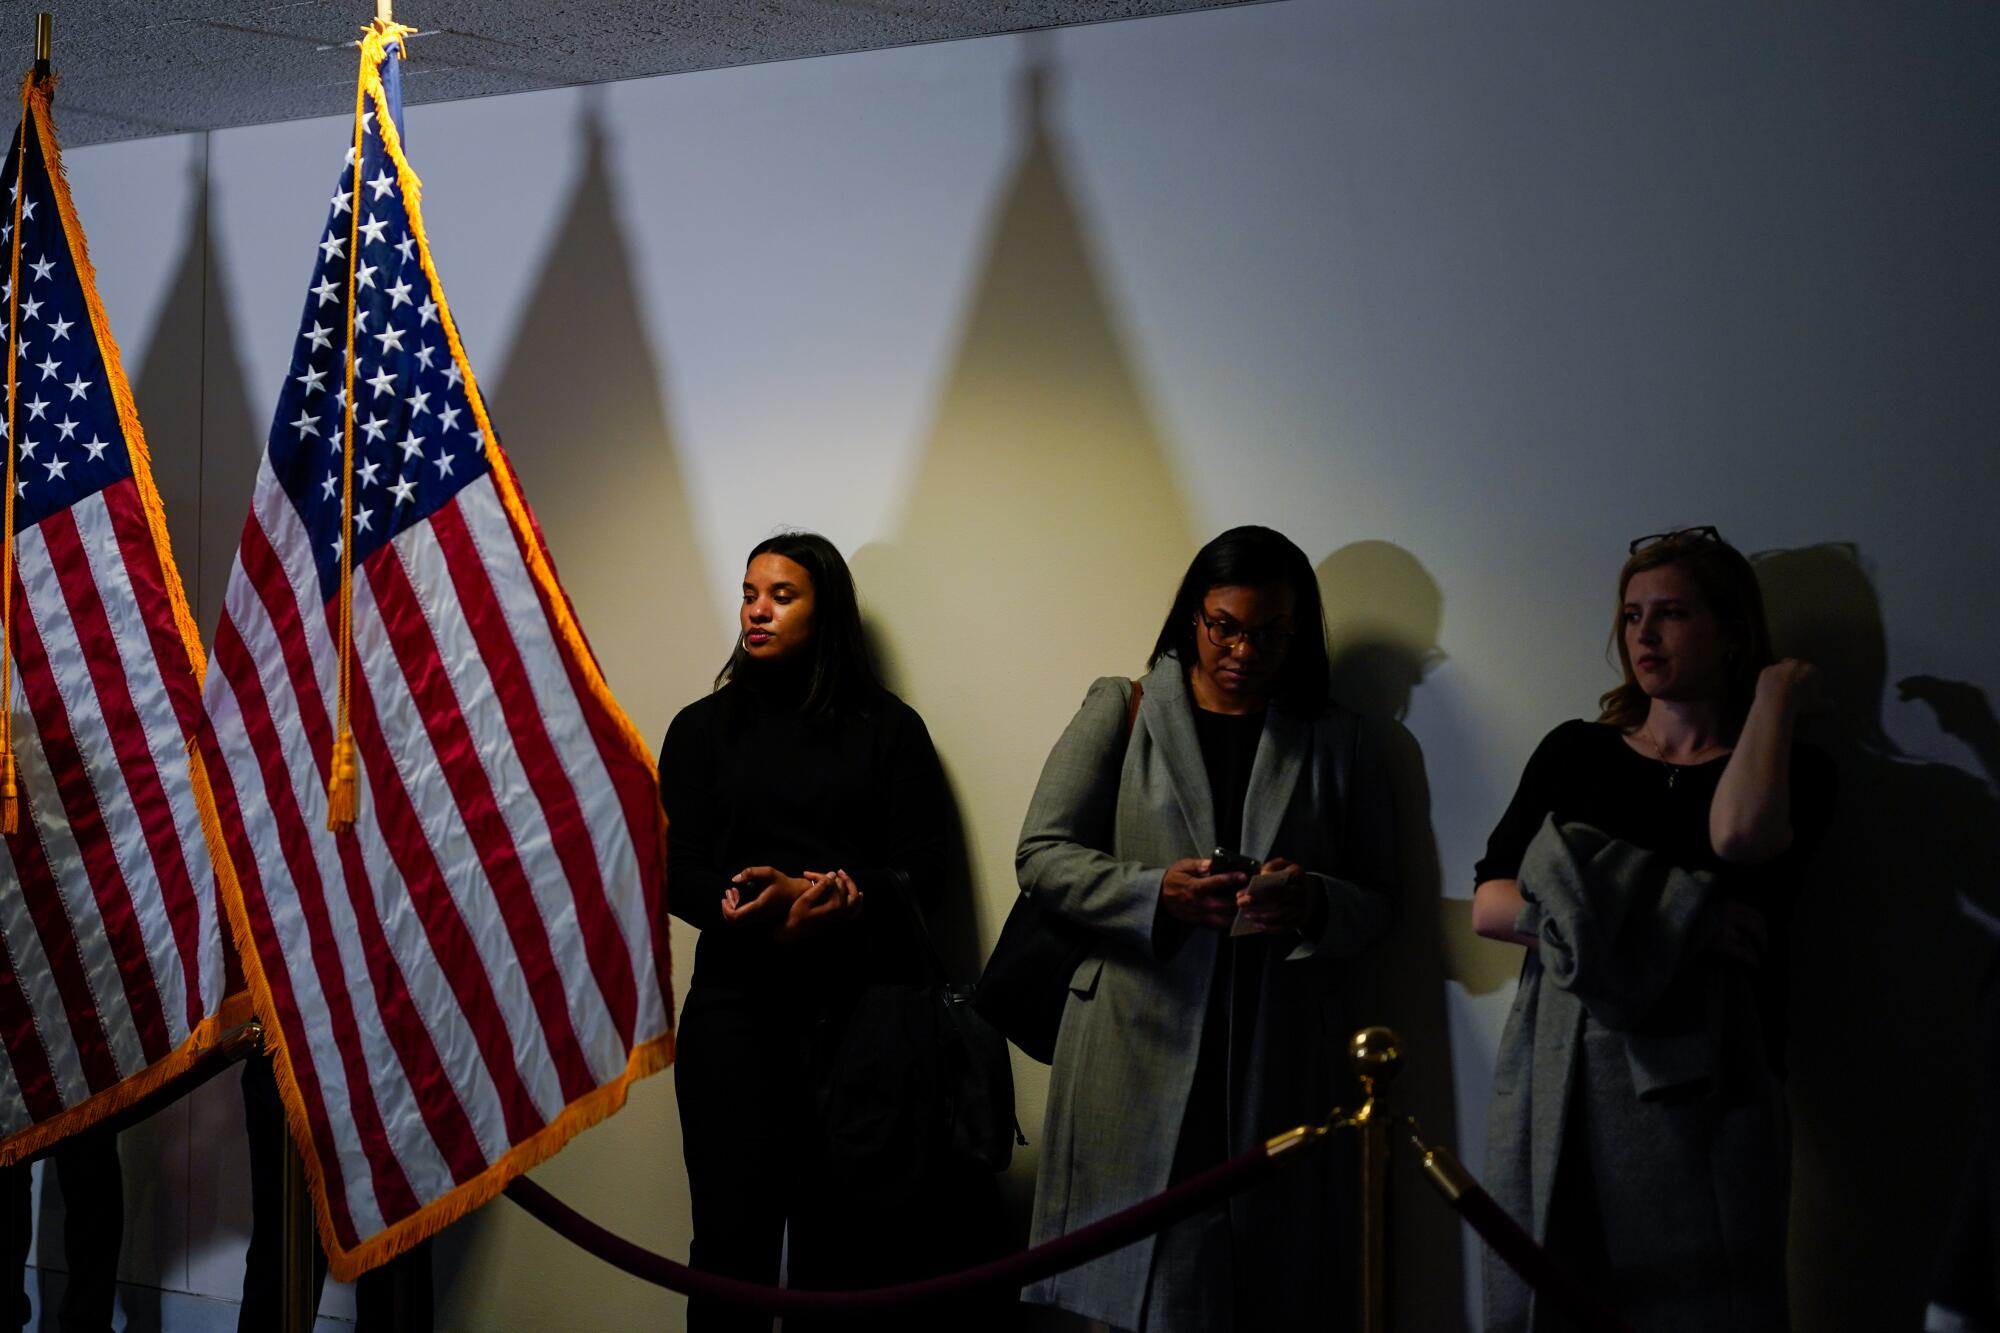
1377,1053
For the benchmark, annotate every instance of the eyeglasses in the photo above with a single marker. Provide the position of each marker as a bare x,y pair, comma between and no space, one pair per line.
1679,536
1225,633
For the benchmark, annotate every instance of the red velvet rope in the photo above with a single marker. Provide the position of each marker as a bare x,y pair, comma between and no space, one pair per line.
1508,1239
1015,1270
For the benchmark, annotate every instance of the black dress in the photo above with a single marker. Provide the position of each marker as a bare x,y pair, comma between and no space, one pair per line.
1228,752
1585,772
749,779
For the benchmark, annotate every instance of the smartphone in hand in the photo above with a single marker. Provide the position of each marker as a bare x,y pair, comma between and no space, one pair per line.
1225,862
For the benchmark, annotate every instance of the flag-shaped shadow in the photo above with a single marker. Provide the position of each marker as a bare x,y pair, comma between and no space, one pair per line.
191,392
579,404
168,390
1043,537
598,455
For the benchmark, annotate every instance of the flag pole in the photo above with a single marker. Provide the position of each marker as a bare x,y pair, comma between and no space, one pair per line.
299,1301
10,795
301,1304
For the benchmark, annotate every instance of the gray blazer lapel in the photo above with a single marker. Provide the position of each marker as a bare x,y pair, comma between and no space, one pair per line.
1274,775
1167,714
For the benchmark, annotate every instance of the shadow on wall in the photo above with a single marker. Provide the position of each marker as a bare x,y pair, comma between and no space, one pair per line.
167,386
1384,616
948,908
186,1168
587,427
232,439
167,390
1887,963
1042,539
1384,619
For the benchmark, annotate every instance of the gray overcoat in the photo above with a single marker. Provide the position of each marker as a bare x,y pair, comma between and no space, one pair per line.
1107,818
1637,1060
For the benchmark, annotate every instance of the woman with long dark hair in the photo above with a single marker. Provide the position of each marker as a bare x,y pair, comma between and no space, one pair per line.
803,799
1224,833
1649,864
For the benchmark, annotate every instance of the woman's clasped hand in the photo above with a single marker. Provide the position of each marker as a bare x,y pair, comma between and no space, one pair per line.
1214,844
794,907
808,825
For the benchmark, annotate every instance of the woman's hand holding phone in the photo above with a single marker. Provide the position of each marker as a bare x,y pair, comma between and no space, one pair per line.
1201,890
1278,897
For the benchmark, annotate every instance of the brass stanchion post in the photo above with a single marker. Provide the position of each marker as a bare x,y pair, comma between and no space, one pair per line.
1377,1054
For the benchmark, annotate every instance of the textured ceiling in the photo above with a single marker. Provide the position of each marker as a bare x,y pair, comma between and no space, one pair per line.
168,66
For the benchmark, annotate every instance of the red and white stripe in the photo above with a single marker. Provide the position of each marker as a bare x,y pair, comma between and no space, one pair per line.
480,952
113,950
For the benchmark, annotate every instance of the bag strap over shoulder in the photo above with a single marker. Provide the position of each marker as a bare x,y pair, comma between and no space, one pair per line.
905,893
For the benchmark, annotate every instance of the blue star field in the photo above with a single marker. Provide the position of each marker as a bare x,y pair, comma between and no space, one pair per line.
416,444
71,445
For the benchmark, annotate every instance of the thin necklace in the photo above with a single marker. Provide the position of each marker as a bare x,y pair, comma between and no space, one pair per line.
1660,754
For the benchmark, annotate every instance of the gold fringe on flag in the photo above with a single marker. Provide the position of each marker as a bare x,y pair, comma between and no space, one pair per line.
36,93
647,1058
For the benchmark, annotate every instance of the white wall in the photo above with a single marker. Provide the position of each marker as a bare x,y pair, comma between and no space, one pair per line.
1461,297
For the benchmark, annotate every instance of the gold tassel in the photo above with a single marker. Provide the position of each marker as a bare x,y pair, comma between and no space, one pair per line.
10,796
10,787
342,784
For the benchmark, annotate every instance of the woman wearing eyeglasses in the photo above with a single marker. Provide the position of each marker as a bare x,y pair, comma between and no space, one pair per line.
802,798
1649,864
1204,1019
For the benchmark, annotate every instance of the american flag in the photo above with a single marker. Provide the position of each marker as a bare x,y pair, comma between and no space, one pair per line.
115,971
478,969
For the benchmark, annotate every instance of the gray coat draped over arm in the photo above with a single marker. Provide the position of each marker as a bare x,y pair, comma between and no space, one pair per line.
1634,1057
1107,818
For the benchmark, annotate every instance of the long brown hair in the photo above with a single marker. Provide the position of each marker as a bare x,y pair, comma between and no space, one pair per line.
1728,587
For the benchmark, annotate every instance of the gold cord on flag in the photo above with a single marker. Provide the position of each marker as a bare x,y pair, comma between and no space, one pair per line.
343,795
66,230
10,792
342,800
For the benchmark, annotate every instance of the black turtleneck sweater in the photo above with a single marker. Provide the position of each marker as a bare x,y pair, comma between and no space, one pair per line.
749,779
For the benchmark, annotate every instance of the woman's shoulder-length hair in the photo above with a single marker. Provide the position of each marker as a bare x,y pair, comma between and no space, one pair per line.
1257,557
1729,588
839,674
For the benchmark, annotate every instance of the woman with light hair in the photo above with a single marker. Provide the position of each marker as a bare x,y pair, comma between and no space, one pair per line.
1649,864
